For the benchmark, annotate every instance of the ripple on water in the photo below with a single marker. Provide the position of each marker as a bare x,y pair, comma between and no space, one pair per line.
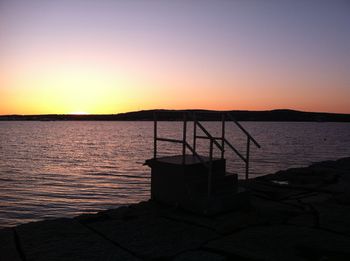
63,169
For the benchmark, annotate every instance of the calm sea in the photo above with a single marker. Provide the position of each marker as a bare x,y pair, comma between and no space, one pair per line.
62,169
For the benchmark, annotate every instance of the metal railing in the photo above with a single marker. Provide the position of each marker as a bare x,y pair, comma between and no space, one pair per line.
213,141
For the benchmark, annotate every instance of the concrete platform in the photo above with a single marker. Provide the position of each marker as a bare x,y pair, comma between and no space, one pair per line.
187,182
301,220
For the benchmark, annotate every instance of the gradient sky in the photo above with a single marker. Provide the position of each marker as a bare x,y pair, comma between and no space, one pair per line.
107,56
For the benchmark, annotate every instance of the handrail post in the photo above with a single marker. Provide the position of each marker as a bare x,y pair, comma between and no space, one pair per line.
194,132
184,132
213,141
210,167
223,135
247,159
208,134
244,130
155,135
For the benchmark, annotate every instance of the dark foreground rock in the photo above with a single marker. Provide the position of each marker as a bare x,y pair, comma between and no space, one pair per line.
297,214
66,239
8,248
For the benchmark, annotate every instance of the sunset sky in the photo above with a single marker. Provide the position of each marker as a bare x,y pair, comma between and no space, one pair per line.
105,56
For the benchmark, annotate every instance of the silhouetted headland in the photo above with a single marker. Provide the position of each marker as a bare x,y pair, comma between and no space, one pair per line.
295,214
174,115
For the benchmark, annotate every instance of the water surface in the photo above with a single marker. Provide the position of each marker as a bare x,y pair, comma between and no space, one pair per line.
62,169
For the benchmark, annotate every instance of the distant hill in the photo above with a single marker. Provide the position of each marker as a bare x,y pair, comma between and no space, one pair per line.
172,115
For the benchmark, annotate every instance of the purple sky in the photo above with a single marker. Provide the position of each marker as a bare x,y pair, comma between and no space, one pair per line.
173,54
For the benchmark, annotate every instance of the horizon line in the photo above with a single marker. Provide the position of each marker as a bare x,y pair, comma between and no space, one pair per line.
177,110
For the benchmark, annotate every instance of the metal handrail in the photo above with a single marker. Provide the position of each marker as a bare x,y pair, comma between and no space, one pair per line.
213,140
188,146
209,136
235,150
225,141
243,129
170,140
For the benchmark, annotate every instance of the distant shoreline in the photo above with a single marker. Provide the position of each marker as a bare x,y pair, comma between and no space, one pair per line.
175,115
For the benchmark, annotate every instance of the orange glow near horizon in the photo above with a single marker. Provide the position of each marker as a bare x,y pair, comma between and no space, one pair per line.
110,57
81,89
79,113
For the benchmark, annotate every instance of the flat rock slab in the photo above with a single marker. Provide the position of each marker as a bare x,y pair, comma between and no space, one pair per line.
307,219
126,213
282,242
223,224
334,217
233,221
154,237
315,198
309,176
8,250
66,239
274,212
200,255
272,191
343,198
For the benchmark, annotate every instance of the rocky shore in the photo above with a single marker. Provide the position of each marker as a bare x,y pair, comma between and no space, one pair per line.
296,214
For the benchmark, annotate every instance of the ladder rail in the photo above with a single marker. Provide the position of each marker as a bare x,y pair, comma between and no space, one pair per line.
211,138
213,141
244,130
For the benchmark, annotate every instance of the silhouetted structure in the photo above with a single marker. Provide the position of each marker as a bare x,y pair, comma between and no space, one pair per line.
195,182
